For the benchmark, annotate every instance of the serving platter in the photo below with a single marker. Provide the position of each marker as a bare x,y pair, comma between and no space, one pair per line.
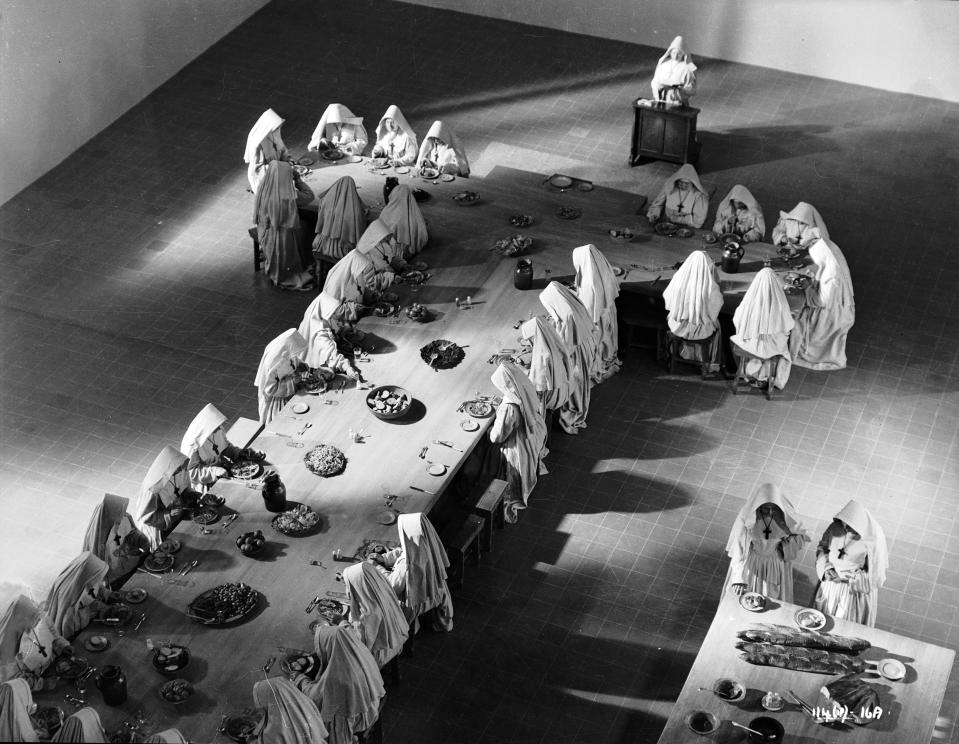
170,545
300,520
246,469
325,460
223,604
158,562
332,155
380,163
478,408
666,228
206,515
752,601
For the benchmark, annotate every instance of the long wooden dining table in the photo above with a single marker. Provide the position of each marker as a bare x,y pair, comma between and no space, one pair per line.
909,706
385,458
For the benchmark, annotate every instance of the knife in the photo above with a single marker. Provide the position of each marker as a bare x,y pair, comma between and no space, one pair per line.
447,444
312,605
229,521
423,490
188,568
802,703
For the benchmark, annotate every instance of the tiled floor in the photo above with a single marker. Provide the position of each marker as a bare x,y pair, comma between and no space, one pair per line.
128,302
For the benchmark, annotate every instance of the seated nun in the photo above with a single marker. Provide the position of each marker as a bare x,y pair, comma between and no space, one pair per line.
763,323
682,200
378,244
82,726
209,451
291,716
29,644
575,327
520,431
165,495
800,227
173,736
340,221
395,138
740,214
819,339
693,300
417,572
349,689
403,218
442,150
354,278
78,594
287,260
550,367
598,288
264,144
375,612
675,78
113,538
322,320
339,129
16,705
276,376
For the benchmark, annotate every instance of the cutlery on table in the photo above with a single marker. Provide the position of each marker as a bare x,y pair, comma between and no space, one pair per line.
423,490
312,605
302,431
805,706
276,433
189,567
269,665
143,616
230,520
767,737
447,444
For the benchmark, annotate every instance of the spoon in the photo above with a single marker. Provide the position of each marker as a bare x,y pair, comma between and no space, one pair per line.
766,737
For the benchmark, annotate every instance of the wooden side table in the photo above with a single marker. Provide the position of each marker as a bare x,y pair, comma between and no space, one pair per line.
664,132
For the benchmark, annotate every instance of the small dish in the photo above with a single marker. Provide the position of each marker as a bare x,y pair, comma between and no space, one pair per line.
305,161
666,228
684,232
386,516
560,182
135,595
355,159
447,177
170,545
176,691
702,722
891,669
158,562
730,690
753,601
437,468
810,619
300,407
469,425
429,173
170,658
710,238
96,643
332,155
620,234
584,186
380,163
770,730
402,169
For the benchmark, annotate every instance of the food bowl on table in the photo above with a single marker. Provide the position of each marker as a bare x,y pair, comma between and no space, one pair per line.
299,662
730,690
620,234
520,220
251,543
332,155
560,181
388,402
666,228
810,619
753,601
466,198
702,722
770,730
170,658
514,245
176,691
419,313
730,239
429,173
295,522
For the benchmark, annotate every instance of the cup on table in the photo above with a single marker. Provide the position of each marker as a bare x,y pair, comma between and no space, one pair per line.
772,701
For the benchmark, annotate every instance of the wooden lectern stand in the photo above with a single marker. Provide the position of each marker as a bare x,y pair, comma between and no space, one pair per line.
663,131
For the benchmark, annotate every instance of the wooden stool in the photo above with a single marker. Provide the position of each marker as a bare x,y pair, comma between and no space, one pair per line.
491,505
674,345
257,253
744,357
462,543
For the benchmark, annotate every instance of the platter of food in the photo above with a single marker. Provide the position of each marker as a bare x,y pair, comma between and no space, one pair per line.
158,562
442,354
170,545
413,277
331,609
332,155
136,595
385,309
96,643
447,177
752,601
478,408
729,690
402,169
300,520
469,425
684,232
466,198
513,245
520,220
380,163
371,548
245,470
176,691
429,173
305,161
620,234
325,460
223,604
666,228
250,543
206,515
170,658
388,402
245,726
71,667
850,696
419,313
569,213
810,619
299,662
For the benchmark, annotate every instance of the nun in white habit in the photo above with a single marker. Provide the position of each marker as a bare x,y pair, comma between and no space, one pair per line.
263,145
375,612
82,726
851,563
740,214
113,538
764,541
402,217
339,129
395,138
291,716
550,368
819,339
693,300
682,200
164,494
354,278
78,594
520,431
441,149
575,327
801,226
763,322
378,244
341,219
675,78
321,321
29,643
417,572
16,705
276,376
598,288
206,446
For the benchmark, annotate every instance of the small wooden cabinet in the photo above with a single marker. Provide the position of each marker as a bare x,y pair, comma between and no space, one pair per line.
664,132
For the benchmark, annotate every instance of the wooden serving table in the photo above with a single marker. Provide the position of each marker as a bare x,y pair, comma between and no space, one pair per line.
909,706
226,661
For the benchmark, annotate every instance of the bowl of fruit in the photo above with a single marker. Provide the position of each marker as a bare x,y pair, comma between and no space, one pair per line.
388,402
176,691
170,658
251,543
419,313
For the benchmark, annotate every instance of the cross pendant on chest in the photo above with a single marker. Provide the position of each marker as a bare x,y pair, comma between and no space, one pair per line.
842,552
767,530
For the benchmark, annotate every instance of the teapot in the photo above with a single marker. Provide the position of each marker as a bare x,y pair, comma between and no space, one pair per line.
733,253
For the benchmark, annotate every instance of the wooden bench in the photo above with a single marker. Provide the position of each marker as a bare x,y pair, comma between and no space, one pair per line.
462,542
491,505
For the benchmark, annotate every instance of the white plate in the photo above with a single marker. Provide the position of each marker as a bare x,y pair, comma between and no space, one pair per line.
301,407
96,643
469,425
403,169
135,595
386,516
891,669
436,468
447,177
